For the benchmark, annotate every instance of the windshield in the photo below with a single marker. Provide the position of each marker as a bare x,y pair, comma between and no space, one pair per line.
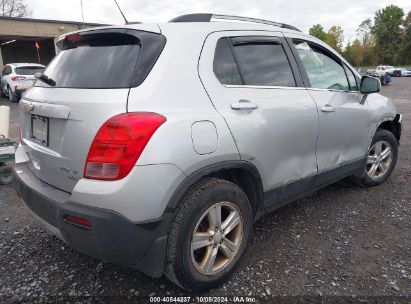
100,60
28,70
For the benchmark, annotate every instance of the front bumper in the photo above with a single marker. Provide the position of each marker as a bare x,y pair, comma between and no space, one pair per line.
111,238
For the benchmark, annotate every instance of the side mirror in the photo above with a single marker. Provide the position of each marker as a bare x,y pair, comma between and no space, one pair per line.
370,85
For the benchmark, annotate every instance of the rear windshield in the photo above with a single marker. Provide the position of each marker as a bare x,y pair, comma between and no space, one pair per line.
28,70
104,60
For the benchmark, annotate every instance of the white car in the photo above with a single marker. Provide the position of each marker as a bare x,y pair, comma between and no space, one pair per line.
16,78
405,72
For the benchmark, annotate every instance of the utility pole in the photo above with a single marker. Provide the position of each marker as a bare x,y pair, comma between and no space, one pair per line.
82,15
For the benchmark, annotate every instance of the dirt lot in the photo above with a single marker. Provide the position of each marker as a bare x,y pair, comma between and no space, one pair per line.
342,243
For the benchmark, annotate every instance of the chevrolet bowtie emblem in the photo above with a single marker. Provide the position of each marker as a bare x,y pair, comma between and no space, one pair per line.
28,107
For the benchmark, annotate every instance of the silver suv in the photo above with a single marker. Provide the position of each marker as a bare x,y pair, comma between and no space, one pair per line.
159,145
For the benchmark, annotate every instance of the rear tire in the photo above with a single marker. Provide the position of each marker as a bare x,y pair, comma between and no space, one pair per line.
197,253
12,97
381,159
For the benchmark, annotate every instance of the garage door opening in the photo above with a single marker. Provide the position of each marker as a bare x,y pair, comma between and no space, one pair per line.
31,50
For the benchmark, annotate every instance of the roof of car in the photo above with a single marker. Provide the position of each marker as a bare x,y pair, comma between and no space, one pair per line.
243,24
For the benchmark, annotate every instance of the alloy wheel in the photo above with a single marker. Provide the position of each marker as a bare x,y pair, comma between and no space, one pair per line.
379,159
216,238
10,94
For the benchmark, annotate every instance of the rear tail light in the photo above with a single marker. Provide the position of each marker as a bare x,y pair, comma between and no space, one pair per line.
119,143
16,78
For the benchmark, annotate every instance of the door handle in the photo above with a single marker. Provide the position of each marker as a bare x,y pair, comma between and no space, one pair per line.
328,109
244,105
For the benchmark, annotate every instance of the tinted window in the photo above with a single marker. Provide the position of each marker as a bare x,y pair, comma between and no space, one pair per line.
7,70
95,61
224,64
351,79
29,70
264,64
323,70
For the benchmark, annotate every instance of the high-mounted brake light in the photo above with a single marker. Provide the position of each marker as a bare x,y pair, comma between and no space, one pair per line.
73,38
119,143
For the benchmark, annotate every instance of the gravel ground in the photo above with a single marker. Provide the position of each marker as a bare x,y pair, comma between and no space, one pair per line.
343,243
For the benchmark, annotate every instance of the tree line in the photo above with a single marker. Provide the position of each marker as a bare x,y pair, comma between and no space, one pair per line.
385,39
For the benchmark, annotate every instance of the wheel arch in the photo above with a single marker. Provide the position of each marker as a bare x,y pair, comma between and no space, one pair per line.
241,173
394,126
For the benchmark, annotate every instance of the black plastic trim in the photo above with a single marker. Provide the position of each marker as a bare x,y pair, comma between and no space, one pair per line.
111,238
209,170
241,40
208,17
152,46
299,63
281,196
398,126
193,18
293,63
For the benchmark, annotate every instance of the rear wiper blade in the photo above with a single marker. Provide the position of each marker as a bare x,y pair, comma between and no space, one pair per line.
45,79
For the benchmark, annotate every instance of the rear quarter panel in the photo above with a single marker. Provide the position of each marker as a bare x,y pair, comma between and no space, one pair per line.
174,89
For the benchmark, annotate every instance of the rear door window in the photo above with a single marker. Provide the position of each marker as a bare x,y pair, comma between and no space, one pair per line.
254,61
225,67
263,62
7,70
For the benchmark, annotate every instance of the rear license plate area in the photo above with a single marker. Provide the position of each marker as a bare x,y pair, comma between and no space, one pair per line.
40,130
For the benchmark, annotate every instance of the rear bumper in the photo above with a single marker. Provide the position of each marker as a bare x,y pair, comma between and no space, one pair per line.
19,92
111,238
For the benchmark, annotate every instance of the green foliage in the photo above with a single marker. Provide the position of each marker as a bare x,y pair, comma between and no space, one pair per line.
406,45
384,40
318,32
335,38
387,32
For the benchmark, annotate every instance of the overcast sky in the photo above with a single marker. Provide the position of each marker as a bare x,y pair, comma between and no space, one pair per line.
302,14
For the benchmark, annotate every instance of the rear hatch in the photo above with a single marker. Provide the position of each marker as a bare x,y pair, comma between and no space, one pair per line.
87,83
25,75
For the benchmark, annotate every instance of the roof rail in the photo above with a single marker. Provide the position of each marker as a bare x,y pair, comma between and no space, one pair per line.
213,17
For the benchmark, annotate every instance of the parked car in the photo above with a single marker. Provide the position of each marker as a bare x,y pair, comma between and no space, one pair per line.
16,78
384,73
405,72
191,132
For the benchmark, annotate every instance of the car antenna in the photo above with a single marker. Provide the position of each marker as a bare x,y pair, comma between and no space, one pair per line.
121,12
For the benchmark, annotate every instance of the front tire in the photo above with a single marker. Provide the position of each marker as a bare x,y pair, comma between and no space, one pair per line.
381,159
209,235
